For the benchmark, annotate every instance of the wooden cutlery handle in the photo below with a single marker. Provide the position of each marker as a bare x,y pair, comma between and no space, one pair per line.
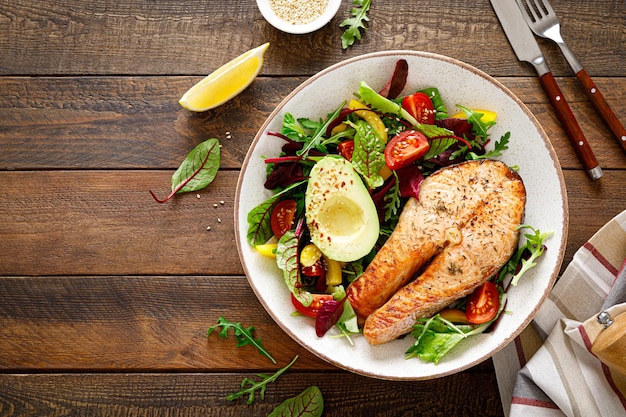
610,345
574,133
603,107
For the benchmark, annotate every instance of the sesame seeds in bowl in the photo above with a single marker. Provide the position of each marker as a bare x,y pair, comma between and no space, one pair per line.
298,16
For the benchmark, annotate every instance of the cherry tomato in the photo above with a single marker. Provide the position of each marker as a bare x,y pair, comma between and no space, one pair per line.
404,148
311,310
346,149
282,217
314,270
483,304
420,106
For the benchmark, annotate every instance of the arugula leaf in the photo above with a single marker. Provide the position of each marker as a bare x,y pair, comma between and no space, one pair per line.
315,140
309,403
197,170
244,336
500,146
356,23
479,128
368,157
249,386
534,244
392,200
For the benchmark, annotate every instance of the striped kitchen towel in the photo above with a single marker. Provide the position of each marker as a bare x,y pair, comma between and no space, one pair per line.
549,369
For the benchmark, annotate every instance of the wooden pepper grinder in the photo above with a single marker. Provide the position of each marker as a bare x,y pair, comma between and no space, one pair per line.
610,345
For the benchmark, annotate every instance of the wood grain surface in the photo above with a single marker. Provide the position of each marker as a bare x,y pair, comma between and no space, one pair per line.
106,296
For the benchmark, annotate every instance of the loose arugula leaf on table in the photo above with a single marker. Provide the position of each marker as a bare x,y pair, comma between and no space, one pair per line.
355,23
197,170
244,336
249,386
309,403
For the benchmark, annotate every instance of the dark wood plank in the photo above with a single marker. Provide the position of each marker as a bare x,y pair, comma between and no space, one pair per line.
106,222
136,324
465,394
196,37
136,122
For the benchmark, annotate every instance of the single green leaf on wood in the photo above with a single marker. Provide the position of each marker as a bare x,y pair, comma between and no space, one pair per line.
197,170
309,403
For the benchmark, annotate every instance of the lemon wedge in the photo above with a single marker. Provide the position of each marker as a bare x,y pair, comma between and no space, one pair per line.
225,82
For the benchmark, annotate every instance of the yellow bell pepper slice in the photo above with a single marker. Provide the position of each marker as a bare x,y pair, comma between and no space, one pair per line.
487,115
370,117
267,249
333,272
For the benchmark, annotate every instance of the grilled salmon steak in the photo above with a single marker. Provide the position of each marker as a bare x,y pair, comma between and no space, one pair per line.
464,227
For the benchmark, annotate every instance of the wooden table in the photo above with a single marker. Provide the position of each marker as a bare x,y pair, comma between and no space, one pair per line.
106,296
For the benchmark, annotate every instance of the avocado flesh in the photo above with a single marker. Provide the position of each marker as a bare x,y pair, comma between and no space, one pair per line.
340,213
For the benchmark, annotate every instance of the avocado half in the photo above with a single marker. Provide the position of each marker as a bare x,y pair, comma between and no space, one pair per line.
340,213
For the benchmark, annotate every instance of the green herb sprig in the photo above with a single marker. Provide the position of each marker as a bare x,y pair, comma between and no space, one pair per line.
355,23
249,386
244,336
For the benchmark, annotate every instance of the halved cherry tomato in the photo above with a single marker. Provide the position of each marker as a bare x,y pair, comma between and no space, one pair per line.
311,310
420,106
404,148
314,270
346,149
483,304
282,217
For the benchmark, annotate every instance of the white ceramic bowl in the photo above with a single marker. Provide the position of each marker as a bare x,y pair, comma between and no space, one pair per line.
278,23
529,148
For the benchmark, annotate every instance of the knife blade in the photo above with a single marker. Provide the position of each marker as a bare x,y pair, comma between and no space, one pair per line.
526,49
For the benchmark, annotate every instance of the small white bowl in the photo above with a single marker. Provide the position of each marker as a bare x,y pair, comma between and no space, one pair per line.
283,25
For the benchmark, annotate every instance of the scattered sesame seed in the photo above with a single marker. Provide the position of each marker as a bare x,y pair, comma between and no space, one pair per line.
219,220
208,228
214,205
197,195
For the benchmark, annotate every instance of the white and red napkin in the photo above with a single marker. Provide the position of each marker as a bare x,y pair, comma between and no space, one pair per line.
549,370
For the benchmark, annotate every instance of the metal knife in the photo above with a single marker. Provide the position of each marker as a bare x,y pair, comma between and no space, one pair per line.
526,48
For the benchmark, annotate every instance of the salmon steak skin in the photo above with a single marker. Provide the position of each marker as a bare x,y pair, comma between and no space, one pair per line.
463,228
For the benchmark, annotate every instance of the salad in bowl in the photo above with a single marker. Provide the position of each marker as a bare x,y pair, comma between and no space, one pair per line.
345,235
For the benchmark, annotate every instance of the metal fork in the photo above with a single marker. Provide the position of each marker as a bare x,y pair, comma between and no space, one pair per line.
544,22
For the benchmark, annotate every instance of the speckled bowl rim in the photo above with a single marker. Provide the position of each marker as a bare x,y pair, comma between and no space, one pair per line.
547,208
